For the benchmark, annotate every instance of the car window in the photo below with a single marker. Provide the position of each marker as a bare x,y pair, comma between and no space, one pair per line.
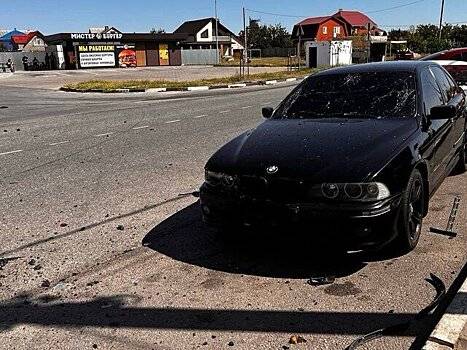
356,94
464,56
432,95
446,86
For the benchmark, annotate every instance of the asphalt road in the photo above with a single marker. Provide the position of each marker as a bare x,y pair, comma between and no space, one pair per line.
106,254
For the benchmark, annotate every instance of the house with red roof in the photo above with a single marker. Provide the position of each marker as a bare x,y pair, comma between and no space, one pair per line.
342,24
30,42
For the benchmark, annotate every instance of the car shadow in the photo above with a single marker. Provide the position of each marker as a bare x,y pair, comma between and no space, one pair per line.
285,254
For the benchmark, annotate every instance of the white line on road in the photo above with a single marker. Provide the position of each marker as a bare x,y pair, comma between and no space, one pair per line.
141,127
172,121
5,153
58,143
200,116
247,107
222,112
107,134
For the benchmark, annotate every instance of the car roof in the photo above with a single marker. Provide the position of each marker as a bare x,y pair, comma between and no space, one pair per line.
395,66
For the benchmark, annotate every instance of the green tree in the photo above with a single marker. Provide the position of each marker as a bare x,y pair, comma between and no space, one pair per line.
264,37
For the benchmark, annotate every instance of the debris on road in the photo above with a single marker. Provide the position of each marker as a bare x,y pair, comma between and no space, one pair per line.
120,227
45,284
452,218
297,339
5,261
322,280
63,224
231,343
3,107
400,328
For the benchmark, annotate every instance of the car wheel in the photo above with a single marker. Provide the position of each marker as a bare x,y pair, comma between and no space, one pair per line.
460,166
410,219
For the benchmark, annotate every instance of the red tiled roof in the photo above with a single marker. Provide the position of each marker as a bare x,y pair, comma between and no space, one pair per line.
23,39
314,20
355,18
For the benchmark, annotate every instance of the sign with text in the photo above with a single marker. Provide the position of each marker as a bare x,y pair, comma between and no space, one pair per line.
96,36
96,56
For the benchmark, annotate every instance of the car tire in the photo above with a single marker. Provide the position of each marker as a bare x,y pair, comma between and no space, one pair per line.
410,219
460,167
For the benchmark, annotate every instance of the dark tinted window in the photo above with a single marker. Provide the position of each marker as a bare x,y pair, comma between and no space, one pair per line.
456,57
447,88
431,94
205,34
359,95
464,56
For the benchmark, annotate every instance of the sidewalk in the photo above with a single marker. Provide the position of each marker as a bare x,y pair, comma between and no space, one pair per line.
451,331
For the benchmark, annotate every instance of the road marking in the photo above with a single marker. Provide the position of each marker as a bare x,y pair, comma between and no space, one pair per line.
141,127
172,121
222,112
5,153
58,143
247,107
200,116
107,134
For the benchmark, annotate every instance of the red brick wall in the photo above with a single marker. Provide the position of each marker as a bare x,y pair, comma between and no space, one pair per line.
330,24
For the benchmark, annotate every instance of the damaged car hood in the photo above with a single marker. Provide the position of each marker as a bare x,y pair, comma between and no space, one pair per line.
319,150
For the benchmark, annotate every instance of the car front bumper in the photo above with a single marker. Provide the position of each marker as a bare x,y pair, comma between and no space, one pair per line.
356,225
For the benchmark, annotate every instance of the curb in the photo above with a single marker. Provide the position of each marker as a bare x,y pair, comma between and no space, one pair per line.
451,331
190,88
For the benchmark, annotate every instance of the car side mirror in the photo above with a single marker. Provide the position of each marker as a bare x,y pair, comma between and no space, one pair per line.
267,112
443,112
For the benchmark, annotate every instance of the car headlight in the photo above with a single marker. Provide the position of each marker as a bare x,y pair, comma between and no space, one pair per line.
353,191
214,179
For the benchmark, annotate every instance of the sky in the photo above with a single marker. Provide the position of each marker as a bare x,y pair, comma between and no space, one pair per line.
54,16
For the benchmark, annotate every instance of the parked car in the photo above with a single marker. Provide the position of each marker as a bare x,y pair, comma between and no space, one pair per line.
457,69
359,148
459,54
454,61
404,55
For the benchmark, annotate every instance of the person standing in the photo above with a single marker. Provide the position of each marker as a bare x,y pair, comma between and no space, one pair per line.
10,65
47,61
25,62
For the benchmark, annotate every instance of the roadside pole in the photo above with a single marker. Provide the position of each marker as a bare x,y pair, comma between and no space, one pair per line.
441,19
217,32
245,49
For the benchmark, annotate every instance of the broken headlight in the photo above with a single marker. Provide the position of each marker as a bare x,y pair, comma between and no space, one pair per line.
216,179
353,191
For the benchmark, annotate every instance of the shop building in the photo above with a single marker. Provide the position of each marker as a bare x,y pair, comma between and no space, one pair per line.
112,48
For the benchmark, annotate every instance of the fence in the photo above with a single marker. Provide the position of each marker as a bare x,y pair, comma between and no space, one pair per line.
16,58
199,57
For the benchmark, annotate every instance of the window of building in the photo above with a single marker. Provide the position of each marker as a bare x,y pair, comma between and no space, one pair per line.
205,34
337,30
325,30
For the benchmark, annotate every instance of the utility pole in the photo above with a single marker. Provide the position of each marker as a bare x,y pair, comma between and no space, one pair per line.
245,49
217,32
441,19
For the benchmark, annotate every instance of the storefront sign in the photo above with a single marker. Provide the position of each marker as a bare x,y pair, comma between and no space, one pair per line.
96,36
96,56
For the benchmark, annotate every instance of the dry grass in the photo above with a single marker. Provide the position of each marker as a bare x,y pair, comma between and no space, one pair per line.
109,85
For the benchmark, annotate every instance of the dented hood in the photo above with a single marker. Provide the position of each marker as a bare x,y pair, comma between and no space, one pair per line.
319,150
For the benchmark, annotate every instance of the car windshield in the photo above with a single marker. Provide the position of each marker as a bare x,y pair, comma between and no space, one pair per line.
358,95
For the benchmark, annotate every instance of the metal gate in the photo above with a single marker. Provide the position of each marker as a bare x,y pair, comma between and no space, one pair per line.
199,57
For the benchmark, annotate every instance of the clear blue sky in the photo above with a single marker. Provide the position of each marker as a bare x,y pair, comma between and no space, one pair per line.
52,16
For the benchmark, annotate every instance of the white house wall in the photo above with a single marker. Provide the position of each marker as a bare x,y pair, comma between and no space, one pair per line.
210,31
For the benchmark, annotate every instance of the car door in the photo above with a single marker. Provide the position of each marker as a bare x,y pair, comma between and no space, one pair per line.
453,97
437,147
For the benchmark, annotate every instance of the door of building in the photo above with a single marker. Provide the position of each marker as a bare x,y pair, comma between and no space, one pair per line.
313,57
140,54
152,54
164,54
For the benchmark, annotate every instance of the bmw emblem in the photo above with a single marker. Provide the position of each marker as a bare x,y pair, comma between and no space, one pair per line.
272,169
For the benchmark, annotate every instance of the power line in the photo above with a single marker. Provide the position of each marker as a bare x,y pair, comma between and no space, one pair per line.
274,14
396,7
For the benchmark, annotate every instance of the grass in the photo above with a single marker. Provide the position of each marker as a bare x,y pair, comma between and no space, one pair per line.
110,85
263,62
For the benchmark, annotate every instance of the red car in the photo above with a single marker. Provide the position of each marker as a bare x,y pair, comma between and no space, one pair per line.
454,61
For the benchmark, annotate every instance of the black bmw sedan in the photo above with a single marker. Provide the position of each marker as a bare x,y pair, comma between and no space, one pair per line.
358,150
